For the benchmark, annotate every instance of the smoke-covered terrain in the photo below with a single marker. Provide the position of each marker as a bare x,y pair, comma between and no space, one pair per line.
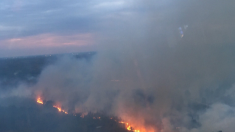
19,111
159,66
189,89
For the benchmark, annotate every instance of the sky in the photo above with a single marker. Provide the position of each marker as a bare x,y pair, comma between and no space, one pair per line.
47,27
59,26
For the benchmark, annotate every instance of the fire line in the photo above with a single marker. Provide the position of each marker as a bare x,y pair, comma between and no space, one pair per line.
40,101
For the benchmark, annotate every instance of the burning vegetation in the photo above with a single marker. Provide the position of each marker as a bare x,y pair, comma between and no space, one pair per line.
59,109
131,128
40,101
127,125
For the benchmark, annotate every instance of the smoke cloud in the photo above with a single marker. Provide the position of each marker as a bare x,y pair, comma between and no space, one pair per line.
184,88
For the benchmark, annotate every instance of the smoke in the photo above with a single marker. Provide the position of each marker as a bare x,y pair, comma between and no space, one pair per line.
217,117
184,88
139,76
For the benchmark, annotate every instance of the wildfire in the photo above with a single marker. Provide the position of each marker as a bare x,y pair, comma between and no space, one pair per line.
59,109
39,100
129,127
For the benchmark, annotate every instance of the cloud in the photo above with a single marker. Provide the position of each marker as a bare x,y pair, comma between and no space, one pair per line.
42,17
47,40
46,44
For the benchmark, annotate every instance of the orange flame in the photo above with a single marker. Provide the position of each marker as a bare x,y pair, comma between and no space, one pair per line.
39,100
59,109
129,127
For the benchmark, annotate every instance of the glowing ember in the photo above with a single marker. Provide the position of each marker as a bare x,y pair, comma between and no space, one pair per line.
59,109
39,100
